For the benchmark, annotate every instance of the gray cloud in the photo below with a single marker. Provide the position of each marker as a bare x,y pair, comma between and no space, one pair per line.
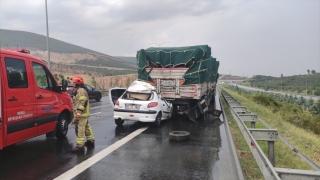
247,37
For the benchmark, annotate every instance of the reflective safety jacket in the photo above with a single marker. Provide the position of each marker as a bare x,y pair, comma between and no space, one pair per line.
81,102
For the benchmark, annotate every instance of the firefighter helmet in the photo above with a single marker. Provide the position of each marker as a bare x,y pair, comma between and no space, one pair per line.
77,80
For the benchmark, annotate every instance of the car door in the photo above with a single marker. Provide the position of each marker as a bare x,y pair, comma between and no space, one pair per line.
18,102
114,94
47,100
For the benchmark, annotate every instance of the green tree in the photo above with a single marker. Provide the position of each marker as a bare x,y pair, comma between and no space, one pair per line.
308,71
61,76
56,77
313,72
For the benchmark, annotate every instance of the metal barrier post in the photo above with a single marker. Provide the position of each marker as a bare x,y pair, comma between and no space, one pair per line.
271,152
253,125
269,135
249,118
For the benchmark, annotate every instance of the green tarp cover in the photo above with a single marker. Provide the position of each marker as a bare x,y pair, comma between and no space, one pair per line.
202,66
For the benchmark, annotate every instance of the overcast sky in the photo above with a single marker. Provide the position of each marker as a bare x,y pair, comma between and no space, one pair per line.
248,37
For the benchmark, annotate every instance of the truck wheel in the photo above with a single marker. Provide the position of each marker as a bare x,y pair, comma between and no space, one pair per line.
157,122
62,126
185,117
179,135
170,114
119,122
174,111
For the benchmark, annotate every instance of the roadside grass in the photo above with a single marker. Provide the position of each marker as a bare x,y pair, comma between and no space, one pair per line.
249,166
305,141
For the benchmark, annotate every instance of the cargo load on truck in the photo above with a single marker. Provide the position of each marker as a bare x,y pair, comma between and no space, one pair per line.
186,76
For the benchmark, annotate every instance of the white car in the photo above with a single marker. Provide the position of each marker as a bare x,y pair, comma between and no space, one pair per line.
139,102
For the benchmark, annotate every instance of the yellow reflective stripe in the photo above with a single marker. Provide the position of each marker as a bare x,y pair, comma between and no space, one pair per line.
82,98
81,107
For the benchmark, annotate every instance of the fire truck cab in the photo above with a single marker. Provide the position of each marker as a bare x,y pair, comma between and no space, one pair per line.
32,103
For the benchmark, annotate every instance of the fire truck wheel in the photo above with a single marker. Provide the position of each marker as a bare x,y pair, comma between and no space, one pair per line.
179,135
62,126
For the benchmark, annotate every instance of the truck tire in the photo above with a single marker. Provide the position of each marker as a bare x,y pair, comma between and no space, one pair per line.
179,135
62,126
185,117
174,113
119,122
157,121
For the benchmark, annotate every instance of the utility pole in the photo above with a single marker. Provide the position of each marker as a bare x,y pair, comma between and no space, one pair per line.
48,50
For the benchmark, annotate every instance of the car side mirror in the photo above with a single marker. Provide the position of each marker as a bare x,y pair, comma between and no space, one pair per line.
64,84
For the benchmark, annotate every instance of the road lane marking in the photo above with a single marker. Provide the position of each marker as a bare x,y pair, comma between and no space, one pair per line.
95,113
94,159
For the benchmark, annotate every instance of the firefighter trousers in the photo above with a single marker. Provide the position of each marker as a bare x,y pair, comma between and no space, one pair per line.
83,130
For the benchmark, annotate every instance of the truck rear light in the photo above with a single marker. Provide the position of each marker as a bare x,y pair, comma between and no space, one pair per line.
181,81
117,103
152,104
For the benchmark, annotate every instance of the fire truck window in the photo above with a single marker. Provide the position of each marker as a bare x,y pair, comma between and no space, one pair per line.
16,73
43,78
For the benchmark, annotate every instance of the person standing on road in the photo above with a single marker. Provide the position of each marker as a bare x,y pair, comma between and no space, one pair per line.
81,112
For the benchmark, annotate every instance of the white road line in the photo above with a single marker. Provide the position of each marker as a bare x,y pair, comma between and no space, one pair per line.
92,160
95,113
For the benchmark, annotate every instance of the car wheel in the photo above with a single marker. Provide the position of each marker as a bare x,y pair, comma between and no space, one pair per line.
62,126
119,122
98,98
179,135
157,121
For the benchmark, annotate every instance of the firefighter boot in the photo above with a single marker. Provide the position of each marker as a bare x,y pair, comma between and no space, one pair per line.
89,143
77,149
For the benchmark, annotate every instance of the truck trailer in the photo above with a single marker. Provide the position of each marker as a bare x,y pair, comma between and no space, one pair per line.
185,76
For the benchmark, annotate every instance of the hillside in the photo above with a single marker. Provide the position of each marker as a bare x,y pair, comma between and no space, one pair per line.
132,60
231,77
66,54
296,83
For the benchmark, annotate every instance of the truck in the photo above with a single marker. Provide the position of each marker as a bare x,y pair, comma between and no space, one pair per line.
32,103
185,76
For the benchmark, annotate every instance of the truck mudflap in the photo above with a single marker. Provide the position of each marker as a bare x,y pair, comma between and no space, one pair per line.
201,108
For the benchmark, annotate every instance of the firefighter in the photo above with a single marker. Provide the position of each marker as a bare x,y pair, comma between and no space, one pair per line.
81,112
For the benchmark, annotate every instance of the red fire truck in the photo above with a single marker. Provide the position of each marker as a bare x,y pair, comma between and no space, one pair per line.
32,103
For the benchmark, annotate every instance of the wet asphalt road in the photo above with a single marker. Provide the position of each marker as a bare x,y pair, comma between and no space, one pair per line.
150,155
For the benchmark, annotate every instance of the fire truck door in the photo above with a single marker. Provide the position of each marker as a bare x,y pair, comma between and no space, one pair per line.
1,135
